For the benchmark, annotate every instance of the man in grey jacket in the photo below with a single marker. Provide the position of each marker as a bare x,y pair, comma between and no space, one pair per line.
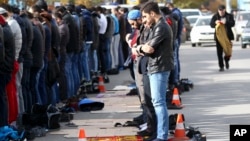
159,49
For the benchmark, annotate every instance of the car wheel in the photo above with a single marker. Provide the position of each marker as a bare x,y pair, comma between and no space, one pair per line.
199,44
193,45
244,46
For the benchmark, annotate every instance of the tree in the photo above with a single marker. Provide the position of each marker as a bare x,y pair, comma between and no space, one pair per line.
190,3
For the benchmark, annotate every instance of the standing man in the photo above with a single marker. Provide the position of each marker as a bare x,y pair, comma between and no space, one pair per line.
176,13
226,19
6,68
159,48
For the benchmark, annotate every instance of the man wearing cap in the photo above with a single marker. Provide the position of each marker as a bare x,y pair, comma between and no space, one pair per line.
140,69
226,19
12,87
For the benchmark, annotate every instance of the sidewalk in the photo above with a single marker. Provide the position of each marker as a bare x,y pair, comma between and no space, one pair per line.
118,108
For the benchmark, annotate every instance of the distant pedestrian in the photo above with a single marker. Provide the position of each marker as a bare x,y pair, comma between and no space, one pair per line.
223,36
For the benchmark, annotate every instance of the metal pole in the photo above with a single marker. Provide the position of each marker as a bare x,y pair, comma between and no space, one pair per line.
228,6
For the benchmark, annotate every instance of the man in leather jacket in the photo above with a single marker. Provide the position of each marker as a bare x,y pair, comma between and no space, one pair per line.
159,49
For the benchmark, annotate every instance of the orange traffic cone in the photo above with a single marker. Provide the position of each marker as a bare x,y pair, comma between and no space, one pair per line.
179,129
101,85
82,136
176,98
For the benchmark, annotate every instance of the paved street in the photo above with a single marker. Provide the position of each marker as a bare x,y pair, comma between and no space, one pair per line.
217,100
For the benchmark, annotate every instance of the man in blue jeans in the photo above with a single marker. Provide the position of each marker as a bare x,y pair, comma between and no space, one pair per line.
160,52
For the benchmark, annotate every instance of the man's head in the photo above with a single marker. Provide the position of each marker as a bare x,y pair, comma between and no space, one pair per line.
150,13
169,5
134,19
221,10
3,12
58,17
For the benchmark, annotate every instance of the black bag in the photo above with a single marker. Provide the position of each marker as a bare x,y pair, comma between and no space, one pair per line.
53,72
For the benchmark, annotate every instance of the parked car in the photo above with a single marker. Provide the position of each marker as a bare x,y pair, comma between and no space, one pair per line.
245,36
241,20
202,32
190,12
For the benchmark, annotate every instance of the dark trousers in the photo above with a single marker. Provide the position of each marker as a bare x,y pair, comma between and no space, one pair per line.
148,105
33,84
221,59
4,80
63,79
27,98
102,53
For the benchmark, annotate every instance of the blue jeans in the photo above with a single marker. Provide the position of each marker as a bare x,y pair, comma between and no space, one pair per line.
158,85
42,84
178,61
69,75
34,72
108,54
93,60
75,72
85,61
5,78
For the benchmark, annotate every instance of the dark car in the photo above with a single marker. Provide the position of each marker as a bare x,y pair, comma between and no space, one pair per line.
245,36
186,30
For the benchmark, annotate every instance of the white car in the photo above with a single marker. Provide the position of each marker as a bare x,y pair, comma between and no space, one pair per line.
202,32
192,19
240,22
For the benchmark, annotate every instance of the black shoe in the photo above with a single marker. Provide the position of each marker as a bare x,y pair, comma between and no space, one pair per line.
144,133
150,138
227,64
138,118
221,69
105,78
113,71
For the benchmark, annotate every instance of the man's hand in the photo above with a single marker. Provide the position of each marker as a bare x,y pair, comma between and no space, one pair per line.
217,22
136,52
147,49
127,37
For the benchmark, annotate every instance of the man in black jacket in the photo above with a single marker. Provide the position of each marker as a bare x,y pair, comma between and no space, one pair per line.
159,48
222,17
6,68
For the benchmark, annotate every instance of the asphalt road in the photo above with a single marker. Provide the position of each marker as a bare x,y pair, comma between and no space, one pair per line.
217,100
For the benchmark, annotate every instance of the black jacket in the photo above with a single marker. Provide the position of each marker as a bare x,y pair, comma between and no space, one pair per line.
1,46
73,45
29,37
37,48
9,45
161,39
229,24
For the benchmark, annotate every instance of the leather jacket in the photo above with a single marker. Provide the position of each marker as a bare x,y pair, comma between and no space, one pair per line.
161,39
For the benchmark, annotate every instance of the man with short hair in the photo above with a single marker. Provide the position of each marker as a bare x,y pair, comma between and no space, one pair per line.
159,49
